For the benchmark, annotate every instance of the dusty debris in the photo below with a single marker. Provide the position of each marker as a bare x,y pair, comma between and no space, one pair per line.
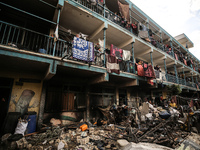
55,122
150,128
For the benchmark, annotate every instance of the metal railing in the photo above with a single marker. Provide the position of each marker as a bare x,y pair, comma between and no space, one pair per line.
181,81
99,8
171,78
29,40
22,38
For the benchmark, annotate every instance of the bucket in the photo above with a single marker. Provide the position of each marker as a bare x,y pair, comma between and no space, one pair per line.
31,117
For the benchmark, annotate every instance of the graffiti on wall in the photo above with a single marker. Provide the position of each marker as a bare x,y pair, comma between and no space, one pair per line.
22,104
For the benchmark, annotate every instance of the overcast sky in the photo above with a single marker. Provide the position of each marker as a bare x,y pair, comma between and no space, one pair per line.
175,17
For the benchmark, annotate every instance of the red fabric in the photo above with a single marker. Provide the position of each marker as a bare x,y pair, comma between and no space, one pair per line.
112,64
185,62
114,51
140,70
176,56
150,72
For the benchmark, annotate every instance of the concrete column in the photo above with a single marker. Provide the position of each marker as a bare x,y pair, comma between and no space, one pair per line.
104,11
117,95
133,57
192,78
104,46
151,58
165,69
87,103
58,18
42,105
184,76
172,48
175,70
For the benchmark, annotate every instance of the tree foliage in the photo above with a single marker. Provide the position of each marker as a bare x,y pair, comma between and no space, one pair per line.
173,90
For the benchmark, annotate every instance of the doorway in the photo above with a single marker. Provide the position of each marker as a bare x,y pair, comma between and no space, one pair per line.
5,94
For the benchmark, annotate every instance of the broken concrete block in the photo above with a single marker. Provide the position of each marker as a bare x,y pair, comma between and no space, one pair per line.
122,142
29,146
60,145
84,134
78,131
65,144
55,122
57,141
51,142
101,132
91,130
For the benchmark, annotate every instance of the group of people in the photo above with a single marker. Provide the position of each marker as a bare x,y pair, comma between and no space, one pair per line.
122,21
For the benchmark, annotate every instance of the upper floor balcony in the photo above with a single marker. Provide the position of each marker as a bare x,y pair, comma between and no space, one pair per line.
97,22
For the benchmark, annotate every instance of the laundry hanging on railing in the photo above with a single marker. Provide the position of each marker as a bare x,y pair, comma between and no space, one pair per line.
114,51
149,71
126,55
83,49
140,69
112,64
176,56
124,10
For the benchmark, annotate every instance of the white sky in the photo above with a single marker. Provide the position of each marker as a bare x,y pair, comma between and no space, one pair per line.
175,17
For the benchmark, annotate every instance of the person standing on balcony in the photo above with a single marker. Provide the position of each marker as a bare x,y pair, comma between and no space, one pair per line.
135,28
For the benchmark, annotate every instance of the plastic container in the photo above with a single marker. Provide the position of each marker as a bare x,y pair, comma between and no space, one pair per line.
84,127
31,117
42,51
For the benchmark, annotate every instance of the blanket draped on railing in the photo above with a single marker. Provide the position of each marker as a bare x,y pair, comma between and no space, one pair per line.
83,49
117,52
112,64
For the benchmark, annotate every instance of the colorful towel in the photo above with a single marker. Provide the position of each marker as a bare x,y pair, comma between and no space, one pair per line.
126,55
114,51
112,64
81,48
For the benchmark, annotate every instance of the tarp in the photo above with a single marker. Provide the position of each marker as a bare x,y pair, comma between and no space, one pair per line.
124,10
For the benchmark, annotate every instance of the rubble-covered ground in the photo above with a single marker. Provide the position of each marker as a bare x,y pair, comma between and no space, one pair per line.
143,129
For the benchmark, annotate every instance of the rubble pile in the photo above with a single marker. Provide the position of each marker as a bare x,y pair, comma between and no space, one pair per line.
144,128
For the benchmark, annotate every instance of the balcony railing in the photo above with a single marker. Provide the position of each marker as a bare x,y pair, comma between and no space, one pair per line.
25,39
98,8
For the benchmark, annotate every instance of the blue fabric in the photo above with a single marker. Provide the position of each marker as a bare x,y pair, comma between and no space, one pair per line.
81,48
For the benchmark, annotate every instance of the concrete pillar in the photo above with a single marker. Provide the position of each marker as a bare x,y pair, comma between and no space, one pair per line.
117,95
133,57
104,46
172,48
176,74
151,58
87,104
184,76
42,105
165,69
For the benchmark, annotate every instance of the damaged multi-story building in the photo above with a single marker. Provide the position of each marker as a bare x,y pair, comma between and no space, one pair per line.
64,58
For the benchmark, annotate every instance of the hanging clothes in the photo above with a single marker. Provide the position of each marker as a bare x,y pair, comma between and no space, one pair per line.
112,64
176,56
124,10
140,69
185,62
149,71
126,55
83,49
114,51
